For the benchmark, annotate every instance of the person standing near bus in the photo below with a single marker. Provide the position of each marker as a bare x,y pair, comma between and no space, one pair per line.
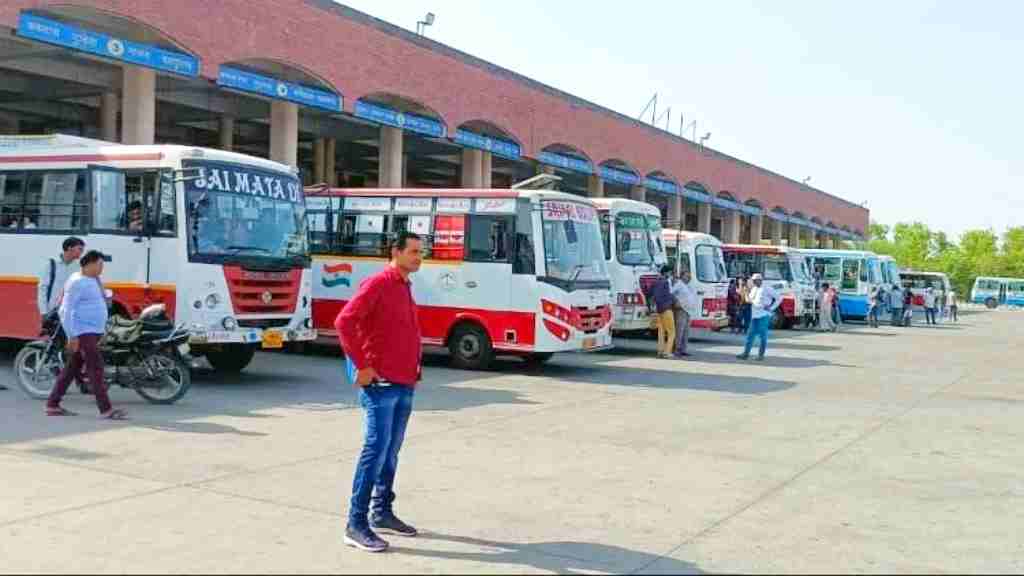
745,303
83,313
953,306
826,323
659,295
873,303
908,307
764,301
896,305
55,274
380,334
929,305
685,304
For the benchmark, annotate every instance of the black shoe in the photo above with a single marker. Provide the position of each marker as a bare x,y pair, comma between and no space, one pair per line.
364,539
390,524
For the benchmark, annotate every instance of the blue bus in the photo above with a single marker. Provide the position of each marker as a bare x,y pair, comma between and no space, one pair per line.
890,272
994,292
854,272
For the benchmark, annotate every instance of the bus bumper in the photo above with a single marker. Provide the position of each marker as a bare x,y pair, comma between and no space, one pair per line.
264,337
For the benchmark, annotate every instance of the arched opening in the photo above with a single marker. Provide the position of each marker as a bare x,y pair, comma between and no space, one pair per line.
663,191
724,216
572,165
405,145
492,150
752,222
620,179
697,196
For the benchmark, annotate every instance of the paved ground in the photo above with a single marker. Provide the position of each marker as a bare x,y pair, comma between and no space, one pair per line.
865,451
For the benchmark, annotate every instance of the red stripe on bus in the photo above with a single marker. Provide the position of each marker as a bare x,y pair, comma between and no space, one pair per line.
81,158
406,193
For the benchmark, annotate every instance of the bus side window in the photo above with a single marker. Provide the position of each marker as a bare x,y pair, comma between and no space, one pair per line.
163,207
523,259
364,235
606,237
684,263
489,238
109,201
52,201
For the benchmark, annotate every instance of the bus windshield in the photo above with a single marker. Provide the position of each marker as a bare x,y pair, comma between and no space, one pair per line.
709,264
572,245
776,267
801,272
243,212
633,243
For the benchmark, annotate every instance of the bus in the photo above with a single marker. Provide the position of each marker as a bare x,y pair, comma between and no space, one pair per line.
219,238
917,282
514,271
785,270
890,272
701,255
994,292
633,250
854,272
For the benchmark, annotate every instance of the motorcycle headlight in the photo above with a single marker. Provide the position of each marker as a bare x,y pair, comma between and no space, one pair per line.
229,323
212,301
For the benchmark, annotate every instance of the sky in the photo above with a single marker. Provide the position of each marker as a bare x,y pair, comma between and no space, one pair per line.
913,107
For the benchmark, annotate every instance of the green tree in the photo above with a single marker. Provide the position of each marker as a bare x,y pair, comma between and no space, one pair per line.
911,244
1013,253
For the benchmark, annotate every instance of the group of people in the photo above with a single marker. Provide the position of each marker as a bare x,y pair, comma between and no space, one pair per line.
900,303
673,302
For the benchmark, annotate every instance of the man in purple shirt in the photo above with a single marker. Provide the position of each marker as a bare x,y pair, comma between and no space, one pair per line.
659,296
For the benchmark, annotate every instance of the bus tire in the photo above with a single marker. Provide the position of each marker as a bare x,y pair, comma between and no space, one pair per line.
991,303
230,358
470,347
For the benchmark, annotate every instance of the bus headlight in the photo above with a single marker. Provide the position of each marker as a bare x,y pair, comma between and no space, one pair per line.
308,323
212,301
229,323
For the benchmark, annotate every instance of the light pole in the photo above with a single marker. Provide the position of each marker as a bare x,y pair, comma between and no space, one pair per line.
422,24
806,180
703,139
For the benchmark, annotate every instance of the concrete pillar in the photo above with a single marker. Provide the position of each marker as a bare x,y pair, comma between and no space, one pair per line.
756,229
486,169
472,168
226,131
319,163
675,212
731,227
704,217
405,170
391,159
794,235
108,116
638,193
138,105
595,186
776,230
330,162
284,132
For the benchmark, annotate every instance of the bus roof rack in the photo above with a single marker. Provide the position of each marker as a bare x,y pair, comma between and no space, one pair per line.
22,142
538,182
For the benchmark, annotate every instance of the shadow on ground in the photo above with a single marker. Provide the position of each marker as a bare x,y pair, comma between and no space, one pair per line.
556,557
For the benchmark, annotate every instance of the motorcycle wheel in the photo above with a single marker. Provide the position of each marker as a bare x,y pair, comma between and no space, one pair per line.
173,379
36,374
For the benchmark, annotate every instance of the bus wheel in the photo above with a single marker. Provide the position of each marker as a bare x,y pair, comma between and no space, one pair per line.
231,358
991,304
538,359
470,347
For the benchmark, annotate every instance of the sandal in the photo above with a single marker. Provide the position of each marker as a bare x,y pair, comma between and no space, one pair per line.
58,411
115,414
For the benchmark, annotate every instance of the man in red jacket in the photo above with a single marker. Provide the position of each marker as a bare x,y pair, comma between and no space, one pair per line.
380,334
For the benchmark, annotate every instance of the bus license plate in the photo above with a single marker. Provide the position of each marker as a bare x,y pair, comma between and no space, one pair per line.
589,343
272,339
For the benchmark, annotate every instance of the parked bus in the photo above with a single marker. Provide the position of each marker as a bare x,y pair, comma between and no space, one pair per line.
518,272
854,272
994,292
217,237
890,272
785,270
701,255
633,250
918,282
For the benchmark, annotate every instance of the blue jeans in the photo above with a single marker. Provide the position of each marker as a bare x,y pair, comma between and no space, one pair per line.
758,327
897,316
387,415
745,313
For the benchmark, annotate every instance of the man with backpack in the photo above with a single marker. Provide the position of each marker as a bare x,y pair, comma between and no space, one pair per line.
55,274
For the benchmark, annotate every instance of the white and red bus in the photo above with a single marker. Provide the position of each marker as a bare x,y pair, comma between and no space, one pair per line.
518,272
701,255
631,232
786,270
217,237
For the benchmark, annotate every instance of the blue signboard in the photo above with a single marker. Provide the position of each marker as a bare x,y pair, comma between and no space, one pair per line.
565,162
725,203
777,216
663,186
246,81
406,121
616,175
62,34
494,145
695,194
751,210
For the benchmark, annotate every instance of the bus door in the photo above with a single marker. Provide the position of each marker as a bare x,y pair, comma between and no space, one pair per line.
119,231
485,277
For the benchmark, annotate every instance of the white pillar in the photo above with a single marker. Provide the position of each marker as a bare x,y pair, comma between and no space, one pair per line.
756,229
227,133
284,132
138,105
794,235
330,162
108,116
486,169
595,186
675,212
472,168
391,158
776,228
704,217
731,227
319,162
638,193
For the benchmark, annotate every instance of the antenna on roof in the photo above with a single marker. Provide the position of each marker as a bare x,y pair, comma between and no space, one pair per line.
653,102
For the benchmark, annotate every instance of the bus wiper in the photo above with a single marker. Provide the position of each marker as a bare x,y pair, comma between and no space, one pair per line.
576,270
250,248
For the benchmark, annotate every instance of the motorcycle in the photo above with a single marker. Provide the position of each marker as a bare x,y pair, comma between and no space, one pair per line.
149,355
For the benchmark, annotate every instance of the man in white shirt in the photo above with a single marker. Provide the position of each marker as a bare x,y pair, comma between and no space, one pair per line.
55,274
929,305
685,305
763,301
954,306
